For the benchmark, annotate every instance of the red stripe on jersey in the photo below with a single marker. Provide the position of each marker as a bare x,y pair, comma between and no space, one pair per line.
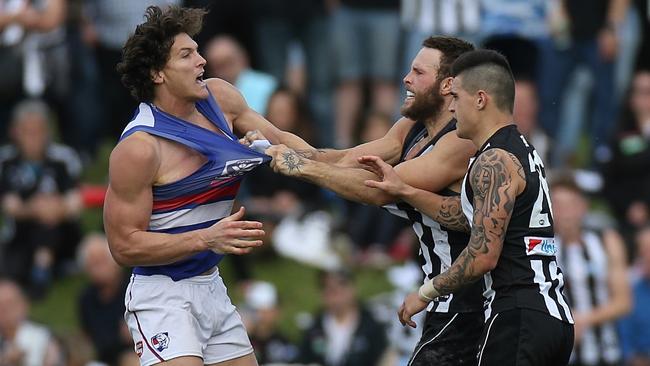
207,196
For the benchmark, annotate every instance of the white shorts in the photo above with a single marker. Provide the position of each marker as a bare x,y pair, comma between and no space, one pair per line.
190,317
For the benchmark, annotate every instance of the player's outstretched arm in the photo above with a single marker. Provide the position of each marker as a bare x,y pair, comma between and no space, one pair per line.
133,168
445,210
496,179
346,182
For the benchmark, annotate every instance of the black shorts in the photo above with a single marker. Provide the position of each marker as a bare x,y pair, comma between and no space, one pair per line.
449,339
525,337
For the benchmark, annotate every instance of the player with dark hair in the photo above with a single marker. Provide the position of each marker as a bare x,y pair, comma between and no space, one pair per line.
423,139
505,205
173,179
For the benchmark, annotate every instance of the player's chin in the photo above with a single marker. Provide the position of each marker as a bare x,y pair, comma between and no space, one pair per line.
202,92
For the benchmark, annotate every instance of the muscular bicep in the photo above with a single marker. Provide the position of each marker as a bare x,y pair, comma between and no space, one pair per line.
127,208
439,168
495,179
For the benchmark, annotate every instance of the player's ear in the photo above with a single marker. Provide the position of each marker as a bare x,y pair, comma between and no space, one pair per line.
445,86
157,76
481,99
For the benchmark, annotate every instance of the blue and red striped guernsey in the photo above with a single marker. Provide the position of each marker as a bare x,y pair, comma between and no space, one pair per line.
204,197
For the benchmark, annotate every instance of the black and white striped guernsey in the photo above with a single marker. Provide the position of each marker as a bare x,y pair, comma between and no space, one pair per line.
439,246
585,266
527,274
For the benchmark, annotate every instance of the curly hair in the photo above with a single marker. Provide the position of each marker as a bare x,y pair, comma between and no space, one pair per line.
148,49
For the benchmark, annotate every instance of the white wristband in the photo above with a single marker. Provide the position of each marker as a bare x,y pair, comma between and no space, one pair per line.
427,292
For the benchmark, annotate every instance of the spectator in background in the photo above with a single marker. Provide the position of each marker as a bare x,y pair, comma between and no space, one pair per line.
33,55
643,55
583,33
280,26
101,302
594,265
373,230
227,59
344,332
40,198
627,176
515,29
635,328
272,196
226,17
261,316
366,45
526,110
23,342
422,18
288,111
107,25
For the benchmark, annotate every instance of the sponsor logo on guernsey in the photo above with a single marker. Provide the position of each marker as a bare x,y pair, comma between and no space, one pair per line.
138,348
160,341
540,246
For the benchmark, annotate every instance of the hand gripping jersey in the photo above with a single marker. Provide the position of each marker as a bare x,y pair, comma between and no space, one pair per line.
205,196
527,275
439,246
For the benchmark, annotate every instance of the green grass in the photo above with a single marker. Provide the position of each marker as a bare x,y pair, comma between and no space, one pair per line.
59,309
296,283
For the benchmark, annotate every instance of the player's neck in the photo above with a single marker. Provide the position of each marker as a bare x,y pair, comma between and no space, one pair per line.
489,124
181,108
437,123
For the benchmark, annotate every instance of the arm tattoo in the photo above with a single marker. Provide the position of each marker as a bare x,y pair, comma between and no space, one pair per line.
494,199
292,160
520,168
309,153
451,214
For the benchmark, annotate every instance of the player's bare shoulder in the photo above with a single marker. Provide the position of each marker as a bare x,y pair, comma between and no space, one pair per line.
500,164
230,100
134,159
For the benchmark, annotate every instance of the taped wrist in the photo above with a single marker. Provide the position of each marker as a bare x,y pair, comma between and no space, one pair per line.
428,292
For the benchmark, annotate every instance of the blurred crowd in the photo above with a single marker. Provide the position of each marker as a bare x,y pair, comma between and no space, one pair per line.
329,71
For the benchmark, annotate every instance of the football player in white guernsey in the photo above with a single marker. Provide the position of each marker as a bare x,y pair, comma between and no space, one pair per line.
506,207
428,154
594,264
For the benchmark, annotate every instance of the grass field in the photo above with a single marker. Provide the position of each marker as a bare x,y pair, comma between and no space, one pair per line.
296,284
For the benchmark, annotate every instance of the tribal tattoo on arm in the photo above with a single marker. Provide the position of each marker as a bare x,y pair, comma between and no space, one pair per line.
292,160
494,179
451,215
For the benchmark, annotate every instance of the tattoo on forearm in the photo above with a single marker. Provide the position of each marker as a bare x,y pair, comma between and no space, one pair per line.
494,199
309,153
292,160
451,214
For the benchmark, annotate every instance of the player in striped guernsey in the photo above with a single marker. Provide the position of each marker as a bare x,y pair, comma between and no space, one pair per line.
596,276
505,205
173,179
424,138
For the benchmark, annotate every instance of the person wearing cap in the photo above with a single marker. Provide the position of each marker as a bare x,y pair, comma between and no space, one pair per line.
344,333
261,316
